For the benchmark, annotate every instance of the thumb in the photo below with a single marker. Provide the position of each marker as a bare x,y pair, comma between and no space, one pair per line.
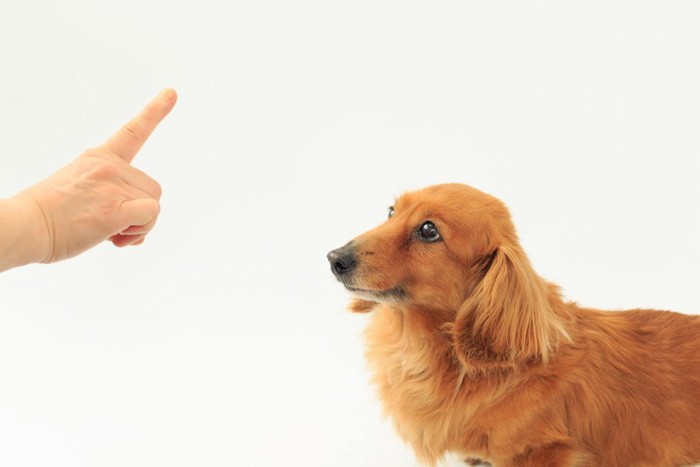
138,212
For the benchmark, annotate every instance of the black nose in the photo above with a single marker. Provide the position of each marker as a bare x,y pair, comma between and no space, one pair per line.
342,260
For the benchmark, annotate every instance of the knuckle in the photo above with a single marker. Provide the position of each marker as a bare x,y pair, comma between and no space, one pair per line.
133,129
105,170
157,190
156,209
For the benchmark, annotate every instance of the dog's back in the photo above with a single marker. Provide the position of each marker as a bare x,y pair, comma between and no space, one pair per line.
634,385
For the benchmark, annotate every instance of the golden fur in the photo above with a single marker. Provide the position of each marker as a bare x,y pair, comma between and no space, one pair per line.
473,353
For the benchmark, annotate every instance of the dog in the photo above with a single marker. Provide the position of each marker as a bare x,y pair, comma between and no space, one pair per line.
474,354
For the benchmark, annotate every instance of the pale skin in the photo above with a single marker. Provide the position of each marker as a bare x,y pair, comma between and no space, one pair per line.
99,196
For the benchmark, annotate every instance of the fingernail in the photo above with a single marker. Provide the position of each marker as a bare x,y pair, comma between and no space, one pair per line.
166,94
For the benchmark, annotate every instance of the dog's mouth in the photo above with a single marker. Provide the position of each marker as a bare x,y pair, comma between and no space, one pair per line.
394,294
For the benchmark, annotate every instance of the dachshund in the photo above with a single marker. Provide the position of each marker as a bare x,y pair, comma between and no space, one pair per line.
474,354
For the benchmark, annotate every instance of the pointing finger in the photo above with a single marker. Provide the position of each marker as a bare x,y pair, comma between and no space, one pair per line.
126,142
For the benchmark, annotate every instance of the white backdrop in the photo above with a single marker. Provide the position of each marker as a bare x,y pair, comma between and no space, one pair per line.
223,340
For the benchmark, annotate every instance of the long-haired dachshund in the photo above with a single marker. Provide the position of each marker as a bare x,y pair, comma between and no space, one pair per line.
475,354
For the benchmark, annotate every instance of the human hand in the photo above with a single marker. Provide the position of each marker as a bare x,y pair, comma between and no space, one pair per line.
99,196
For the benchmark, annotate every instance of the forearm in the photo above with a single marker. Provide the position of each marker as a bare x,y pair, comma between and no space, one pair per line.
23,232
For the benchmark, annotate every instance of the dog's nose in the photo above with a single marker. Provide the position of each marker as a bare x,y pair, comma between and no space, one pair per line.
342,260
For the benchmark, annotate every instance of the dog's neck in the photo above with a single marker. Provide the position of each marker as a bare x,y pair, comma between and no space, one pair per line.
409,340
417,376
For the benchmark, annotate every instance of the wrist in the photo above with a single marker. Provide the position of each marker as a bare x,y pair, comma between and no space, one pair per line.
24,233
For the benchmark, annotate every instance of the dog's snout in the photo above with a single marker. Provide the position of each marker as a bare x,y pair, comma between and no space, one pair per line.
342,260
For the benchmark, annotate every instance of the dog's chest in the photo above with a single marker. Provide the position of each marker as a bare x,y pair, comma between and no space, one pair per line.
416,380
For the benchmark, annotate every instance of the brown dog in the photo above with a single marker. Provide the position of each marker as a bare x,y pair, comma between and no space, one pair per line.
473,353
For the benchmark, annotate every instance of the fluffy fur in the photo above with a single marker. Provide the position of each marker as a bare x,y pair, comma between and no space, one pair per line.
474,354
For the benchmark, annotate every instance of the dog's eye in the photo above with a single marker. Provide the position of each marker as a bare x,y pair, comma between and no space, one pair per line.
390,213
428,232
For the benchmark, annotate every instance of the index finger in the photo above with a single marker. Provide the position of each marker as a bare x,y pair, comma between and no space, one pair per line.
126,142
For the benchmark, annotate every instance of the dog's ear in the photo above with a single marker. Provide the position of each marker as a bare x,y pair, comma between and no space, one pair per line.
361,306
507,318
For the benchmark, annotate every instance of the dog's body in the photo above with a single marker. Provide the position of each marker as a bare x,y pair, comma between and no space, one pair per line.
475,354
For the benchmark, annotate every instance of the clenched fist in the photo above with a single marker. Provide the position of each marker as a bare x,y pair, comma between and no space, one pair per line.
99,196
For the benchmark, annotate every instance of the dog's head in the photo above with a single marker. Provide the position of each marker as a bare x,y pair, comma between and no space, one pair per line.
451,251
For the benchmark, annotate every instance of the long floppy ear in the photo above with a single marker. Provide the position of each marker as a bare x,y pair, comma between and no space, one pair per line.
508,318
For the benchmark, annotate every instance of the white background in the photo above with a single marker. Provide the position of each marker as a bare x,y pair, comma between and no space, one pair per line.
223,340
